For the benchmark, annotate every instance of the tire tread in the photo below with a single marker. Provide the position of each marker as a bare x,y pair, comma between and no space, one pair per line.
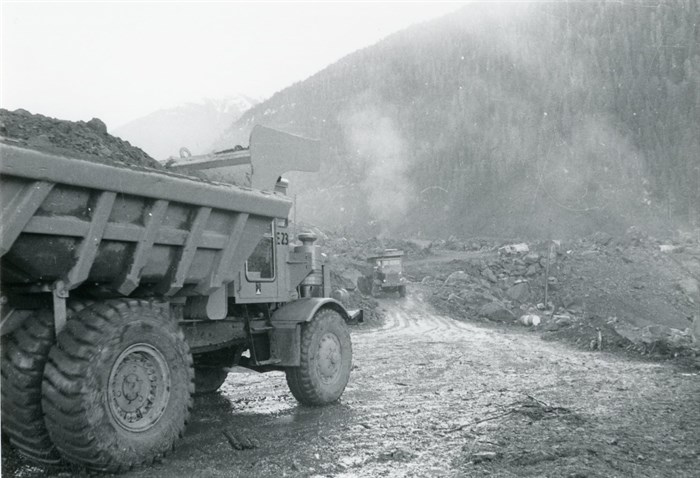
24,357
66,419
299,379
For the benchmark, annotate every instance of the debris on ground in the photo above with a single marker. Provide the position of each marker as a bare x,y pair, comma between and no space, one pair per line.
601,292
238,441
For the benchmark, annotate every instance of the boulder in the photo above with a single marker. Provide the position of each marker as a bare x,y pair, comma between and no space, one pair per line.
602,238
519,292
690,287
97,125
489,275
39,141
456,277
665,337
558,322
572,302
496,311
532,258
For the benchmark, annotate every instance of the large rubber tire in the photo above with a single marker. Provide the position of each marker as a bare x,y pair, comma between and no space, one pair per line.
326,360
402,291
118,385
24,355
209,379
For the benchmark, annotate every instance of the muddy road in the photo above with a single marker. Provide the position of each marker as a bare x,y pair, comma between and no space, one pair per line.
432,396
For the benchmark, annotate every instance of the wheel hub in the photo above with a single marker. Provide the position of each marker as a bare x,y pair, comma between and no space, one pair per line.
139,387
328,358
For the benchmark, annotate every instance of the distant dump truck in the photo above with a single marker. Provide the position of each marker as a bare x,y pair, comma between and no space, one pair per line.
386,275
125,290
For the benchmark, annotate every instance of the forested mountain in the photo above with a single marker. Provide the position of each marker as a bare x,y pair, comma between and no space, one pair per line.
192,125
525,119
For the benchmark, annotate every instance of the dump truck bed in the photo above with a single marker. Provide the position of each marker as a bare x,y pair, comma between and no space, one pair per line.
121,227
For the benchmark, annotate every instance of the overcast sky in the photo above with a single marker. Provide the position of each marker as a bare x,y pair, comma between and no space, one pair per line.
122,60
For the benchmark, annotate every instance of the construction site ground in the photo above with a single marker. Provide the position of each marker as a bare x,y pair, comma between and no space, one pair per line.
430,395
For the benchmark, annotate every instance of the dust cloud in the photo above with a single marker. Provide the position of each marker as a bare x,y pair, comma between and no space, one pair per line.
375,142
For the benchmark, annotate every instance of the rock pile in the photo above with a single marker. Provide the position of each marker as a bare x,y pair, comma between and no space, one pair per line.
82,140
600,291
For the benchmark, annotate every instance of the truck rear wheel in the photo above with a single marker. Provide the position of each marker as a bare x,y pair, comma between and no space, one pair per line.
402,291
326,359
117,388
24,356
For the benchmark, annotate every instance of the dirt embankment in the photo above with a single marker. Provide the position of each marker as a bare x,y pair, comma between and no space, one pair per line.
78,139
631,292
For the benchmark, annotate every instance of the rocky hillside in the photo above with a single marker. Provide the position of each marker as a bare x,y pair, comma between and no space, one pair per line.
191,125
530,119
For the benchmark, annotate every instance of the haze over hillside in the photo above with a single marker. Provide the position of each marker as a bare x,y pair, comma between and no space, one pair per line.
191,125
532,119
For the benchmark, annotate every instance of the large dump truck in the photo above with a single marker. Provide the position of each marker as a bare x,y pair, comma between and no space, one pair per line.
126,290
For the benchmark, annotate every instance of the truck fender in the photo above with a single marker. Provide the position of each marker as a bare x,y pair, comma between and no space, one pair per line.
285,337
303,310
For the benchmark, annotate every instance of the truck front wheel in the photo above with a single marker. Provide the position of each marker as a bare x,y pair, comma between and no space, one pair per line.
326,359
117,387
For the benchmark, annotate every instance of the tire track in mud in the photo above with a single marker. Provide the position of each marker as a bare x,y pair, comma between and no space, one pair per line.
412,316
411,320
407,389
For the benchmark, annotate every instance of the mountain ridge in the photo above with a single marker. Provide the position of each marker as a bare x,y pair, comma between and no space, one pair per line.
193,124
536,119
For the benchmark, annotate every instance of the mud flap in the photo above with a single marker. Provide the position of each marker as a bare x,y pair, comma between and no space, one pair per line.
285,344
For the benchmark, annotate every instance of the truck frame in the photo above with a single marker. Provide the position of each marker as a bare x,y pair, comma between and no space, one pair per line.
125,290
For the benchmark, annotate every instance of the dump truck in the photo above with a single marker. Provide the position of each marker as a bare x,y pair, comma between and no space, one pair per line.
386,274
125,290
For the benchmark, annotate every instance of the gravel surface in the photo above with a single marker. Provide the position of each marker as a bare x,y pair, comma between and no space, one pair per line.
434,396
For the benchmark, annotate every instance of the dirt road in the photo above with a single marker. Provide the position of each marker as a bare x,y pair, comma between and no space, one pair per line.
431,396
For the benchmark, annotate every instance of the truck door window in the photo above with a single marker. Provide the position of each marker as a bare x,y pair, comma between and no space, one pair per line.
261,263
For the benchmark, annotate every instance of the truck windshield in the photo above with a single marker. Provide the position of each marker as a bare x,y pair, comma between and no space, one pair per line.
390,264
261,263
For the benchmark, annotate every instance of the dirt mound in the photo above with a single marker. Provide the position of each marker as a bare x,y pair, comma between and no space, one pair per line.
74,138
629,292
